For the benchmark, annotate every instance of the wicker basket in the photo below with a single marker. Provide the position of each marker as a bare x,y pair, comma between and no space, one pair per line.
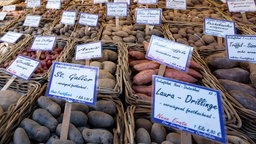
7,23
8,2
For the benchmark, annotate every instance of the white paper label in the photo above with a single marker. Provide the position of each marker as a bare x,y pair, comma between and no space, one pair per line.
68,17
99,1
127,1
33,3
117,9
219,28
2,15
147,1
23,67
11,37
169,53
241,5
9,8
53,4
188,107
88,51
88,19
148,16
32,21
72,82
241,47
177,4
43,43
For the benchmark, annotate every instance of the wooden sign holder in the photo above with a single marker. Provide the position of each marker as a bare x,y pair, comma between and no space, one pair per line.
117,21
7,85
219,40
244,16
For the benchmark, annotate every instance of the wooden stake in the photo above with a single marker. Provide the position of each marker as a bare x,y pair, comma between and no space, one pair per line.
161,70
101,5
38,54
82,1
219,39
7,85
65,121
244,17
175,12
117,21
186,138
147,29
86,29
188,1
87,62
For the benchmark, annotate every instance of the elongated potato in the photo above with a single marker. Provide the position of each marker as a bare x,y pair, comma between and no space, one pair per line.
104,74
106,83
20,137
109,66
52,138
73,134
106,106
158,133
174,138
78,118
234,74
245,99
143,123
142,136
63,142
97,136
80,107
220,60
100,119
49,105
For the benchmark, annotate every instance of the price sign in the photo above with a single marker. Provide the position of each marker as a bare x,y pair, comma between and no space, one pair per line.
33,3
241,47
117,9
88,51
169,53
219,28
177,4
9,8
53,4
2,15
68,17
88,19
99,1
147,1
11,37
241,5
43,43
188,107
127,1
23,67
148,16
72,82
32,21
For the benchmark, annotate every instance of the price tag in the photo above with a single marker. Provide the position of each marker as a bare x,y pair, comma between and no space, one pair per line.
23,67
11,37
88,19
43,43
2,15
148,16
177,4
119,9
88,51
9,8
241,47
72,82
188,107
147,1
32,21
68,17
99,1
53,4
219,28
127,1
169,53
241,5
33,3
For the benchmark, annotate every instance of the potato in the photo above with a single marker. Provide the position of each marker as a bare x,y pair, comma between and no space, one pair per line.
109,66
20,137
235,74
7,98
129,39
60,102
220,60
35,131
142,136
78,118
201,140
63,142
97,136
121,34
103,74
96,64
106,83
52,138
143,123
106,106
111,55
208,39
100,119
106,37
155,32
174,138
44,118
245,99
81,62
167,142
49,105
158,133
117,39
73,134
80,107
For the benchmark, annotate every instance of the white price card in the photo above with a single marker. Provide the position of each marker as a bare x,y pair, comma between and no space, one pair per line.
99,1
176,4
11,37
73,82
148,16
68,17
2,15
88,51
53,4
219,28
118,9
147,1
188,107
23,67
241,5
127,1
169,53
43,43
241,47
33,3
88,19
9,8
32,21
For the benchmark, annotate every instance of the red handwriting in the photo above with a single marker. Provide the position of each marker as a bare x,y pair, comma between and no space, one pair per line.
175,120
160,116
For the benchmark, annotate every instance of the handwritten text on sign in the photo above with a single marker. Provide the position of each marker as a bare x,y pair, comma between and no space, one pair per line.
43,43
9,8
177,4
23,67
72,82
169,53
11,37
53,4
88,51
241,47
33,3
32,21
2,15
128,1
118,9
241,5
68,17
88,19
219,28
99,1
148,16
147,1
196,110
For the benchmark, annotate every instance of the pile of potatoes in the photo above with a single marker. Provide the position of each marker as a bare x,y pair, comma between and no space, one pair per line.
87,124
7,21
62,30
198,3
51,14
82,33
237,17
7,98
37,11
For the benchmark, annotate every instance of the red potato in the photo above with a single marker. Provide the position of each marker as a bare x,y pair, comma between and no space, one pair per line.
195,65
194,73
135,62
252,68
144,97
144,77
146,44
143,89
137,54
178,75
146,65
